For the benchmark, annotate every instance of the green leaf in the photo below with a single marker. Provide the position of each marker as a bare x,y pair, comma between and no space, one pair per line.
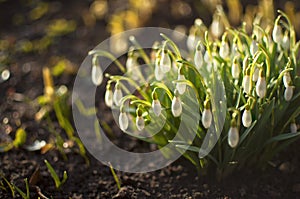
246,133
115,176
58,182
282,137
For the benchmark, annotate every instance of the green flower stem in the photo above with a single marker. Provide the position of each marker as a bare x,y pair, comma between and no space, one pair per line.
192,66
189,83
164,87
268,65
140,49
139,101
279,79
109,56
172,44
119,78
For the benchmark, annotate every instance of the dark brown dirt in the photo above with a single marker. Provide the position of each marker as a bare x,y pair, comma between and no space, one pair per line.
178,180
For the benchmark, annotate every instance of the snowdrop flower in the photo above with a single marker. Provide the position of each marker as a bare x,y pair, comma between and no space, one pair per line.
191,41
198,57
253,46
217,27
139,122
123,120
235,69
233,135
277,32
255,74
156,106
286,79
261,85
117,96
181,87
131,63
247,117
245,63
206,115
224,49
176,107
159,75
285,41
293,127
257,32
165,62
288,93
108,98
247,82
97,75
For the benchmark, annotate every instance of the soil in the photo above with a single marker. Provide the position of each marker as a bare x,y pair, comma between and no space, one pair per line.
179,180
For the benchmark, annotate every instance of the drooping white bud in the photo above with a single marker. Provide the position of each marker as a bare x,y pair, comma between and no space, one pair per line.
97,75
181,87
217,28
224,49
285,42
288,93
108,98
198,58
293,127
286,79
261,87
131,63
233,136
245,62
255,74
206,118
253,47
117,96
123,121
159,75
247,118
235,69
277,32
140,123
191,42
156,106
165,62
257,32
176,106
247,84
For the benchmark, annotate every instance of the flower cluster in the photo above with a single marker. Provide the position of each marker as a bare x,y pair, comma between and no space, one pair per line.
259,73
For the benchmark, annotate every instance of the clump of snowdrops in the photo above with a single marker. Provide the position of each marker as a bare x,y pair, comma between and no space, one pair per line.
259,76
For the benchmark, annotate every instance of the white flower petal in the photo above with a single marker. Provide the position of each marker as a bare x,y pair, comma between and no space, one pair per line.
140,123
233,137
108,98
277,33
247,84
123,121
206,118
165,62
198,59
176,107
247,118
181,87
224,49
156,106
117,96
97,75
261,87
288,93
293,127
